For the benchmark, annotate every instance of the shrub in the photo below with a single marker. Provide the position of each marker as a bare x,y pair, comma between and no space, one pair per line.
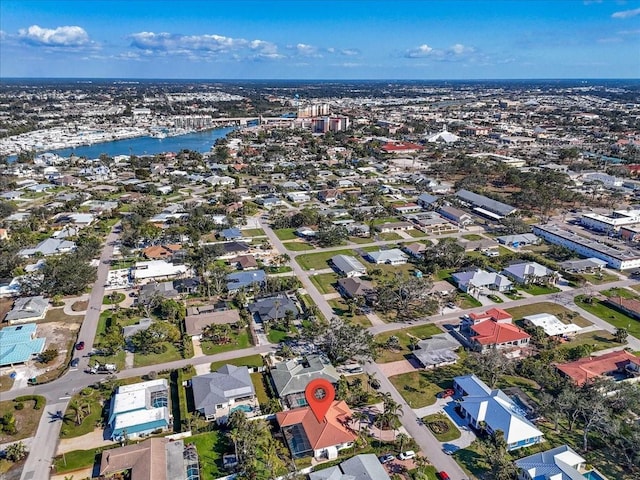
19,406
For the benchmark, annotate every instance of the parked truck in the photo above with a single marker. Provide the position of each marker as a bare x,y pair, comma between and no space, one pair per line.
103,368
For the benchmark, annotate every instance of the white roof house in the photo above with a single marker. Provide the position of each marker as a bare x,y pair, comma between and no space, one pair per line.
497,411
348,265
551,325
393,256
527,272
156,269
479,278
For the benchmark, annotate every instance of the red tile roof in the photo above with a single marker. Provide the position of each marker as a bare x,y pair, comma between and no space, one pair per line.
493,333
332,431
495,314
401,147
585,369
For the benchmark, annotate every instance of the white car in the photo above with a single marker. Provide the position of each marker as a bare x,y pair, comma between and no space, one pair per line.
407,455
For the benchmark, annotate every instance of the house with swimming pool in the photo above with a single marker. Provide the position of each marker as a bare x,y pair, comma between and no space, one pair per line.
140,409
560,463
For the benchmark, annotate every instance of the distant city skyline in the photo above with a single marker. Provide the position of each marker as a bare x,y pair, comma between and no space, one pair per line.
304,39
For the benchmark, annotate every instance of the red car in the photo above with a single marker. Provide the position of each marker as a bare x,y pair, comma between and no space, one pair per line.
446,393
443,475
80,346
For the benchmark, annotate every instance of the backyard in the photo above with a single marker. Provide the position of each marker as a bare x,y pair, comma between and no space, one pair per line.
211,446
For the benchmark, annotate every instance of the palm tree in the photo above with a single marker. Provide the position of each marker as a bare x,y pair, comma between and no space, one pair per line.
401,440
359,416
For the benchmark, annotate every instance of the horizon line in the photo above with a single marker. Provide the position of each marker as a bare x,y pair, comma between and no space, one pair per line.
4,78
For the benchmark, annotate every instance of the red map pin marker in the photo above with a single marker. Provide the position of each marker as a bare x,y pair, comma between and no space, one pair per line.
320,395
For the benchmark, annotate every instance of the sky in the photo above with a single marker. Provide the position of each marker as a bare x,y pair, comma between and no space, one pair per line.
305,39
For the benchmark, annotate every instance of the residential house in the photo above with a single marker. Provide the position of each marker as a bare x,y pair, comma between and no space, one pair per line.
457,216
352,287
237,281
273,308
131,330
217,394
298,197
629,306
586,265
244,262
393,256
416,250
432,223
365,466
529,272
229,234
290,378
186,285
427,201
348,266
618,365
153,459
306,436
306,232
495,314
394,227
200,317
234,248
156,289
329,196
157,269
19,344
27,309
502,336
436,351
560,463
473,281
407,208
139,409
492,410
551,325
161,252
50,246
519,240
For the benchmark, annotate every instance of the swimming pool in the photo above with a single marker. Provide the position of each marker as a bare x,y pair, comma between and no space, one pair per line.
244,408
593,475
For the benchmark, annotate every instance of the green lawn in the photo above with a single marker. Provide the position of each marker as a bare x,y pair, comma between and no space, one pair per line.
239,341
599,340
250,361
600,277
564,314
534,289
360,240
380,221
472,236
452,432
211,447
298,246
610,315
70,429
169,355
26,420
390,236
465,301
320,260
119,359
415,389
258,385
276,336
324,282
495,298
619,292
253,232
75,460
404,335
415,233
341,309
285,233
113,298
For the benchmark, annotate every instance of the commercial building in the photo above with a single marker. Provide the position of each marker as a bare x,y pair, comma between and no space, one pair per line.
622,258
610,223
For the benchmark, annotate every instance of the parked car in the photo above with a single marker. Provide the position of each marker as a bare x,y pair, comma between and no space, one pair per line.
407,455
80,346
386,458
450,450
449,392
443,475
75,362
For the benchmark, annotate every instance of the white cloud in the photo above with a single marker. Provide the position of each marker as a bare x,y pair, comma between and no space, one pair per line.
66,36
350,52
423,50
306,50
460,49
176,43
626,13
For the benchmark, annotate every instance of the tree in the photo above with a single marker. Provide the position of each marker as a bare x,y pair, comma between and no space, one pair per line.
15,452
621,335
331,236
489,365
447,253
341,340
409,297
152,339
66,274
49,355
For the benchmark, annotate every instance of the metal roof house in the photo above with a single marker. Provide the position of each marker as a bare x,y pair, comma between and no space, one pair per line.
27,309
437,351
273,308
19,344
560,463
50,246
361,467
214,394
348,266
238,280
139,409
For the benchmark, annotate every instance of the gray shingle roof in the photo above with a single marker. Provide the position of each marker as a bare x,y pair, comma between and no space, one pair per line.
212,389
294,375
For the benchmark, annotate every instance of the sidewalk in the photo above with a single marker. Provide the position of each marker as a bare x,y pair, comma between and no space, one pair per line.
84,442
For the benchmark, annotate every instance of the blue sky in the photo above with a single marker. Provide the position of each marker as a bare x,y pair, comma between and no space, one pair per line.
301,39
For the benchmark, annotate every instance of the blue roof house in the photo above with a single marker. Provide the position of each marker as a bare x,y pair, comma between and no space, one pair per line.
236,281
19,343
231,234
